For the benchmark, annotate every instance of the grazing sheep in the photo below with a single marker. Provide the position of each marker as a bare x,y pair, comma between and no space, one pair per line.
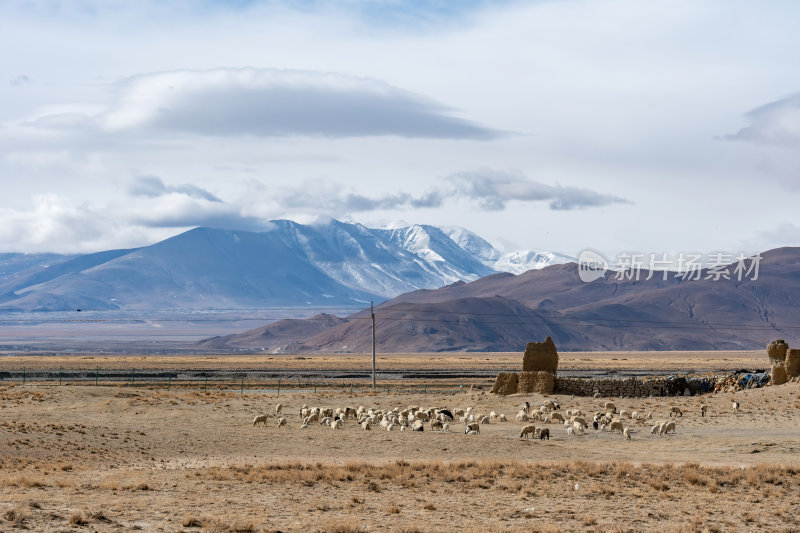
570,431
304,426
260,418
447,414
675,410
278,408
609,406
530,429
281,421
703,409
436,424
550,404
636,415
616,425
580,420
627,433
326,421
365,425
556,416
578,428
623,413
522,415
472,433
657,428
666,428
493,416
337,424
473,427
735,406
502,418
542,433
485,420
446,427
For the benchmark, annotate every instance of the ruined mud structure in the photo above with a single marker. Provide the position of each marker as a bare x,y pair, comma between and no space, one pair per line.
540,375
784,362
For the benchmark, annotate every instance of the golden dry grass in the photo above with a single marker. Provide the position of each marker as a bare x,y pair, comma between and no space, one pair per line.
117,459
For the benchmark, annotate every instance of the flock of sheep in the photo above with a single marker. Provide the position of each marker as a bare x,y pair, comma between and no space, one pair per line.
414,418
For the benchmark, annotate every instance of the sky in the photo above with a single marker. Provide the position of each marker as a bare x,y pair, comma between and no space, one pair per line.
559,125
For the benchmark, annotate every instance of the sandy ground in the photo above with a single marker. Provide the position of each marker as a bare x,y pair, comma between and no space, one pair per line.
122,458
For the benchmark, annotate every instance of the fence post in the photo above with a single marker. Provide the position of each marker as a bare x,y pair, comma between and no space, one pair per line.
59,375
169,382
131,378
23,377
242,391
315,388
205,385
351,389
96,375
279,387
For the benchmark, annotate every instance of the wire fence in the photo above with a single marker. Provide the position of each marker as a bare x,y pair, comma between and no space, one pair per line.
229,382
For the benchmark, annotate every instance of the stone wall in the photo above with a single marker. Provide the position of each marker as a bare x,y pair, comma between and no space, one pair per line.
671,386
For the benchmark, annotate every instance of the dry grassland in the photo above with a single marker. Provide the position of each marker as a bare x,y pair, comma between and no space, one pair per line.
669,361
85,458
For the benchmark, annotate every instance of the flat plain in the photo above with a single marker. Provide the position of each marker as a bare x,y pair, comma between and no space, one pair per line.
117,458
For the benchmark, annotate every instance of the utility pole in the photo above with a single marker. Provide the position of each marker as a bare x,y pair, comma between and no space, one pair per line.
372,312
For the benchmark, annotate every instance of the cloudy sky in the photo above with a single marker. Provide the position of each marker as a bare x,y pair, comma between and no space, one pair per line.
659,126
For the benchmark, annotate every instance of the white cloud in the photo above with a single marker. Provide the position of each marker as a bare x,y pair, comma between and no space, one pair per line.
776,123
270,103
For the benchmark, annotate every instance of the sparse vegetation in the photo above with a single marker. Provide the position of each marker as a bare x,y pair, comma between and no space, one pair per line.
186,459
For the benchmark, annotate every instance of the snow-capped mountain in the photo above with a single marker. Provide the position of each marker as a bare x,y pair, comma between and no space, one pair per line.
516,262
331,264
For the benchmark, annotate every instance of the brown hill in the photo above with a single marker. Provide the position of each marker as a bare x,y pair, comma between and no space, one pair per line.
503,312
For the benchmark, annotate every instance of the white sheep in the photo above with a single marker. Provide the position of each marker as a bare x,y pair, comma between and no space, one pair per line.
281,421
627,433
522,415
337,424
530,429
473,427
570,431
735,406
446,427
579,420
485,420
260,419
666,428
365,425
623,413
278,408
609,406
616,425
703,409
502,418
656,429
577,427
636,415
418,426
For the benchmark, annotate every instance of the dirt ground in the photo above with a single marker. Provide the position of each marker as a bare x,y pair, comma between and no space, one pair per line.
81,457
